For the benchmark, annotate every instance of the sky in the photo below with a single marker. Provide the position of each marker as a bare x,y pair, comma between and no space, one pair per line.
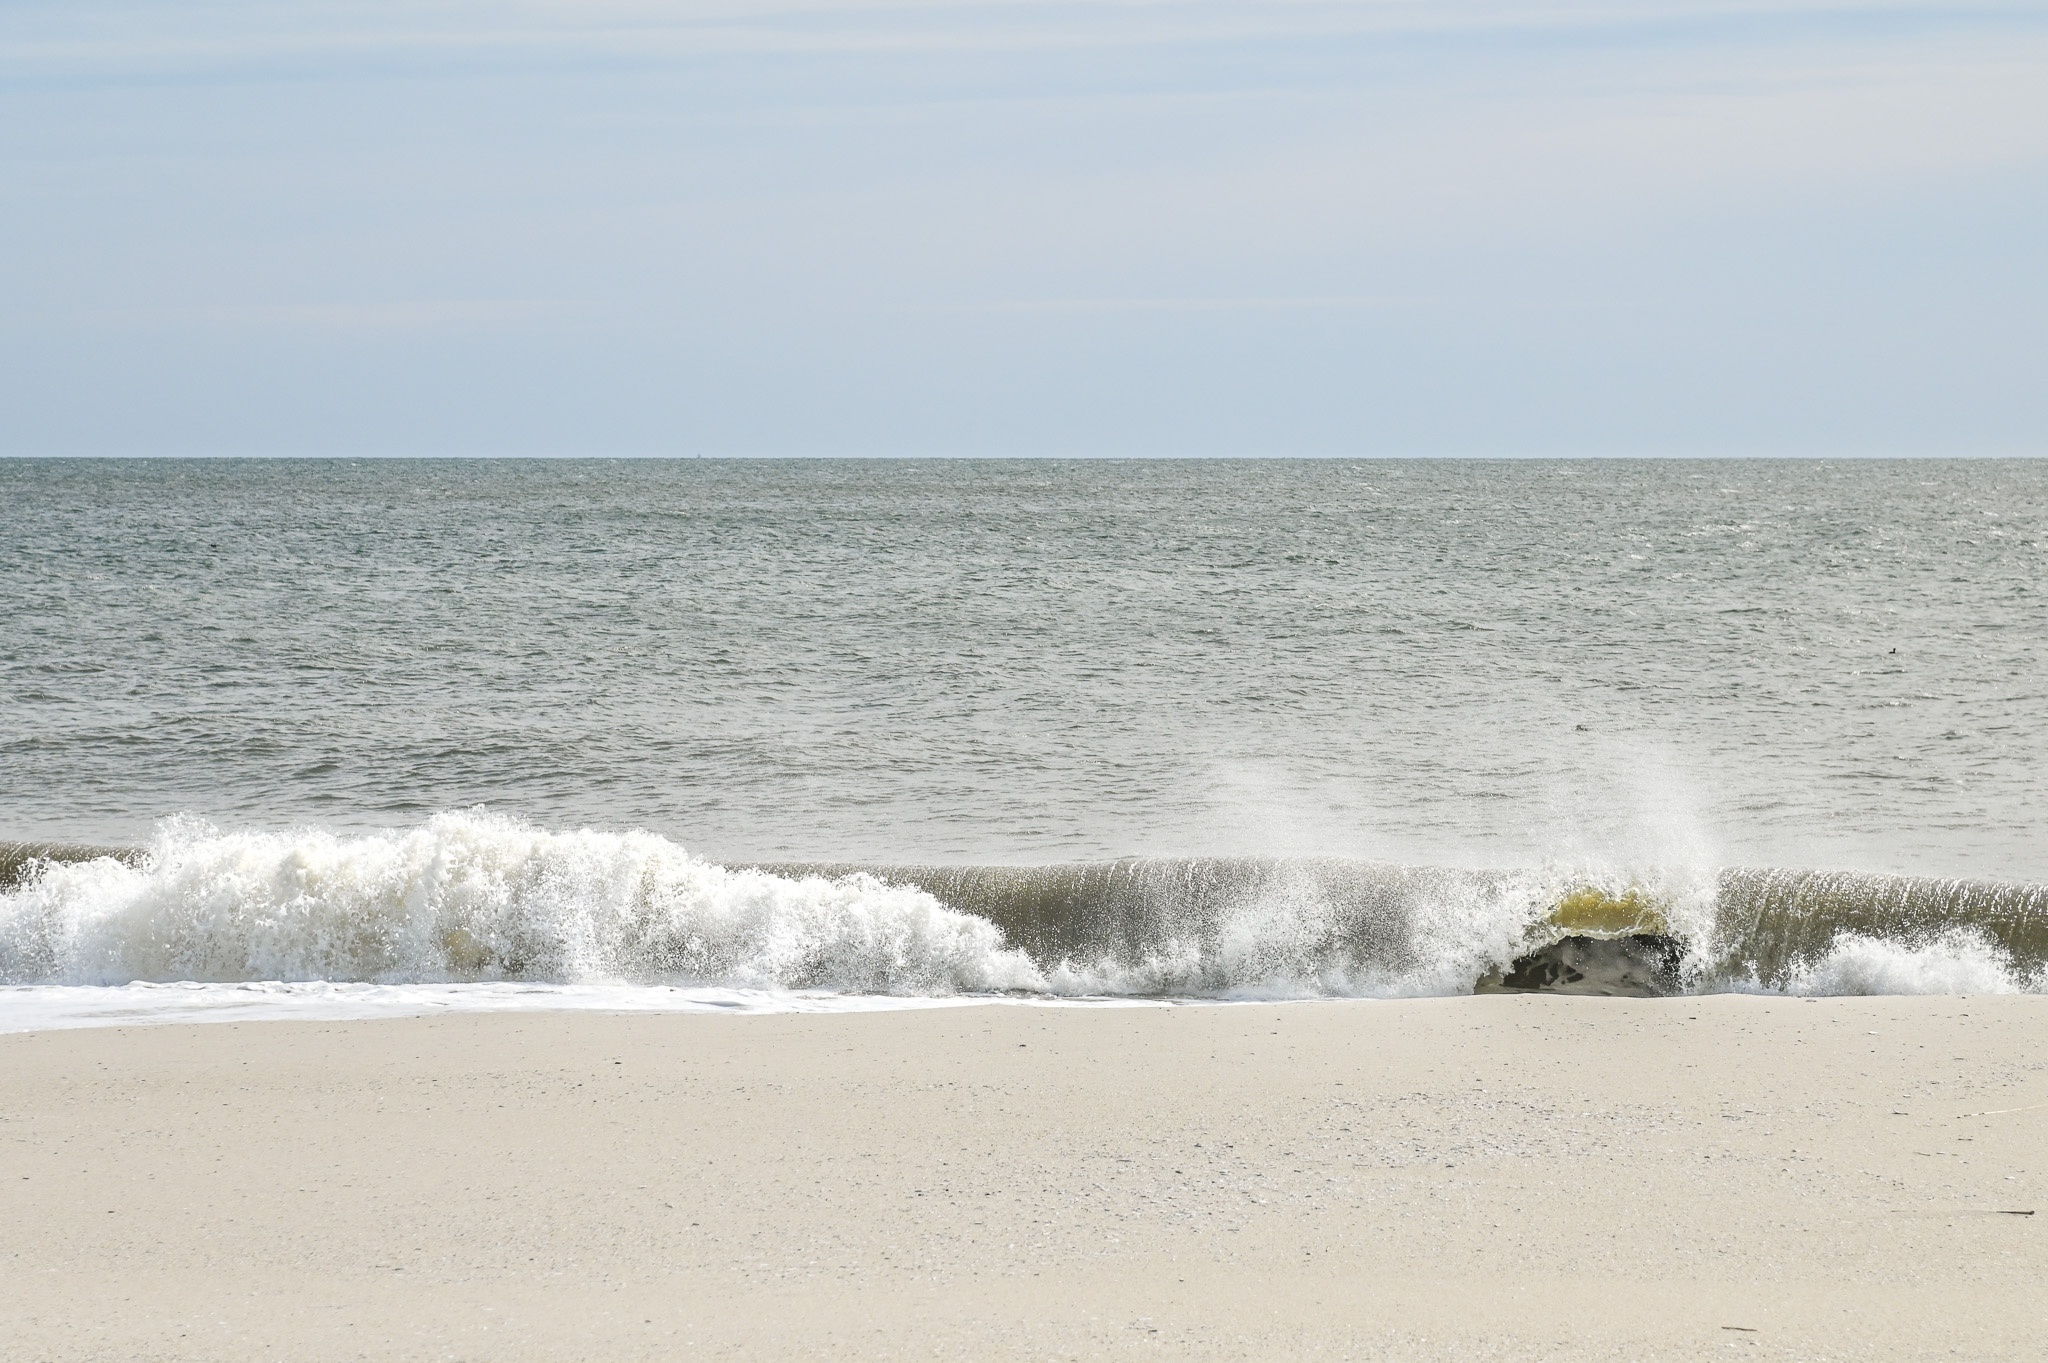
1018,227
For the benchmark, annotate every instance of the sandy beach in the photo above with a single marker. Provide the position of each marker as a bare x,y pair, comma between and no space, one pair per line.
1503,1177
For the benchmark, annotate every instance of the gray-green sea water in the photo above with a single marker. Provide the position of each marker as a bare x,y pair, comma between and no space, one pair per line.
1624,673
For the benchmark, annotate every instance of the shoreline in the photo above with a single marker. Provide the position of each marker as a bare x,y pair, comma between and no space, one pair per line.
1516,1176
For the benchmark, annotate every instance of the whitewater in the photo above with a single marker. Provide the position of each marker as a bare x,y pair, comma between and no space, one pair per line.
471,910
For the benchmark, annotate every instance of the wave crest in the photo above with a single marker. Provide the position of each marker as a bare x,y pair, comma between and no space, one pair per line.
473,896
1959,961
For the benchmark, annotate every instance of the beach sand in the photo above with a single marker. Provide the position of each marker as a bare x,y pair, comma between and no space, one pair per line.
1472,1178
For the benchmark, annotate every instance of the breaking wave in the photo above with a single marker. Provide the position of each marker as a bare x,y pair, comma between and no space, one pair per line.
472,897
1956,962
475,897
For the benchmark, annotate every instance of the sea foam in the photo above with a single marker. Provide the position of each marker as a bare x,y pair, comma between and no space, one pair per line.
1959,961
475,897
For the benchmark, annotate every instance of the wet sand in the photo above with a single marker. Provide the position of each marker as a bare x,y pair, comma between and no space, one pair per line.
1504,1177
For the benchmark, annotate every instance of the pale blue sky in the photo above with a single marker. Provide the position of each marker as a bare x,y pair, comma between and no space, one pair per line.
1375,227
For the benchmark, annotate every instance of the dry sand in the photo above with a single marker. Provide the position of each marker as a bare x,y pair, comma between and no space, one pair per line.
1511,1177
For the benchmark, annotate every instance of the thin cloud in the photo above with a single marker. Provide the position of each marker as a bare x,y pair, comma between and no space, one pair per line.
50,40
388,316
1307,303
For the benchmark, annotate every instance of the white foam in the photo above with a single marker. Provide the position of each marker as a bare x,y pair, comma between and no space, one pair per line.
1956,962
477,897
39,1008
473,897
475,911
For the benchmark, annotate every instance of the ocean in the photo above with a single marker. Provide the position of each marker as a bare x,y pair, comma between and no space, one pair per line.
401,735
